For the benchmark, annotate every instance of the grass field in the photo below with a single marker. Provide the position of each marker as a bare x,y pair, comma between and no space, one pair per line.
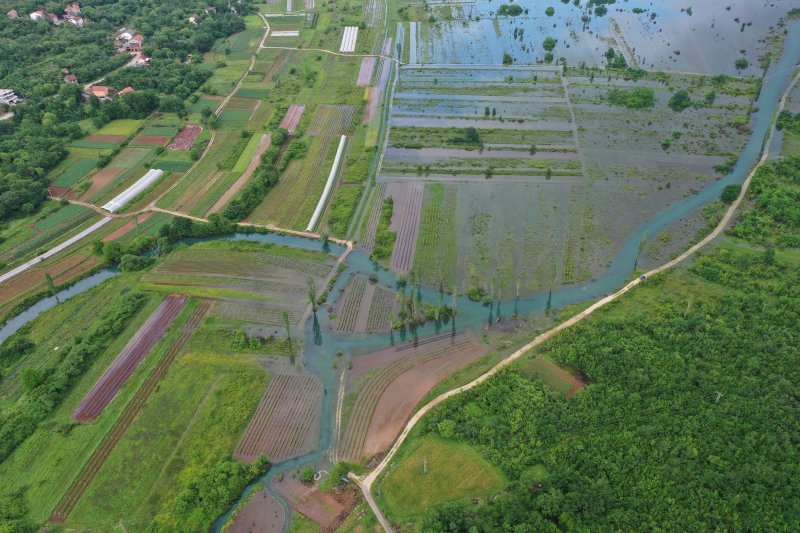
210,399
434,471
75,172
46,462
120,126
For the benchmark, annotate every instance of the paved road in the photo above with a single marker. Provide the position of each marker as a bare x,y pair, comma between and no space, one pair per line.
365,482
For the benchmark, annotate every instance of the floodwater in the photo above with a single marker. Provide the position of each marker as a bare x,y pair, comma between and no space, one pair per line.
322,343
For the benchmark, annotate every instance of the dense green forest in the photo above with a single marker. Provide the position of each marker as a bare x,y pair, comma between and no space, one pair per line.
33,54
691,420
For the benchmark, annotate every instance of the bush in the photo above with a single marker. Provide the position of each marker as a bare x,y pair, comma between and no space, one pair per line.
680,101
636,98
730,193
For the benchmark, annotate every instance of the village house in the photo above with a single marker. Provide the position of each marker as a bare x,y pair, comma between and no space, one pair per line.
54,18
135,44
141,61
193,19
210,10
126,90
71,78
100,91
8,97
75,21
72,9
13,14
38,15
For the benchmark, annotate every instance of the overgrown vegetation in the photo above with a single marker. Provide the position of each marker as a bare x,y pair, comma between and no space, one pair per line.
384,237
685,405
636,98
45,387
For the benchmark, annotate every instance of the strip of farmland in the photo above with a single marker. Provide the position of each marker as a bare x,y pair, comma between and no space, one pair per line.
372,403
128,360
292,118
365,71
100,455
286,421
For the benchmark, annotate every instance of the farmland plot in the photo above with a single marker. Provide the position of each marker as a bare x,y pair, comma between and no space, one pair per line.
401,377
128,360
249,283
405,221
311,502
286,422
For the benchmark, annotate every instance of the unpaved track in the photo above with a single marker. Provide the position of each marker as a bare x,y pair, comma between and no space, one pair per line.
365,482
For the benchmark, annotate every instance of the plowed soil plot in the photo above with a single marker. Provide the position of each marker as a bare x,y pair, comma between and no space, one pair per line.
405,220
151,140
184,140
129,359
405,374
57,192
311,502
365,72
261,513
286,423
292,118
102,179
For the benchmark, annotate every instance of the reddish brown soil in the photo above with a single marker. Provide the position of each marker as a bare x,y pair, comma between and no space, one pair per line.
292,118
125,228
184,140
400,398
286,422
365,71
311,502
102,179
106,138
151,140
111,439
390,365
128,360
245,177
261,513
57,192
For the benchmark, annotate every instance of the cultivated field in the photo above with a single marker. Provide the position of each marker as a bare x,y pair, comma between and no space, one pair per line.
286,422
399,377
261,513
365,307
128,360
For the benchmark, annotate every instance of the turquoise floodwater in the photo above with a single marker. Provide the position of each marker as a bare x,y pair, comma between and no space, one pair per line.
322,343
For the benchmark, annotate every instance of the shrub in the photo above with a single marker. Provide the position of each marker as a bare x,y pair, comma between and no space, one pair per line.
680,101
636,98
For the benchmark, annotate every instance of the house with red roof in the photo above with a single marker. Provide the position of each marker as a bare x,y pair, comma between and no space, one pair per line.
100,91
126,90
71,78
13,14
38,15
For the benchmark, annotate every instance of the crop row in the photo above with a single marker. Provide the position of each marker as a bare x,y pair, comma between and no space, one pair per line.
380,310
283,422
254,312
361,413
332,120
235,263
352,303
403,253
368,238
435,256
49,235
291,202
251,285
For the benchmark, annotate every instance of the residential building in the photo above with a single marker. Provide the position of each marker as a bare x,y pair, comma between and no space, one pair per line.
75,21
193,19
126,90
38,15
100,91
13,14
54,18
8,97
71,78
72,9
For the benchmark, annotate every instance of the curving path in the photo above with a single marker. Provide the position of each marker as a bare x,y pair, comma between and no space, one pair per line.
365,482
